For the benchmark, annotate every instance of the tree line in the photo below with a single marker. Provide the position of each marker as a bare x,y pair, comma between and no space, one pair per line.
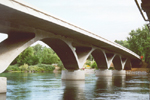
139,42
37,55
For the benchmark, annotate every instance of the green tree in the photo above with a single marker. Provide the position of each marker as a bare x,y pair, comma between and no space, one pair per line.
49,56
26,57
123,43
138,40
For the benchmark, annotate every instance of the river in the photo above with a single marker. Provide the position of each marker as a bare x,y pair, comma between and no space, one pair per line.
49,86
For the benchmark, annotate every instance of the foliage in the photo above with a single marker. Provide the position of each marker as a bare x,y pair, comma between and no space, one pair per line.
12,68
139,42
49,56
88,62
123,43
26,57
94,65
60,64
33,68
36,55
24,67
111,68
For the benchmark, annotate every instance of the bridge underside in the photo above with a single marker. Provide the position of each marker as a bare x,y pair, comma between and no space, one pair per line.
72,54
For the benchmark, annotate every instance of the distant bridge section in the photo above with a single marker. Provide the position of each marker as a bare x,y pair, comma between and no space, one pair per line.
25,25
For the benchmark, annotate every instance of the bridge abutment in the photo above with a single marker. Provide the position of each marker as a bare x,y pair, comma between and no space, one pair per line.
3,85
73,75
103,72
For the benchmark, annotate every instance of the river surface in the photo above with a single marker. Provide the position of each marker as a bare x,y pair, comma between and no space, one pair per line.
49,86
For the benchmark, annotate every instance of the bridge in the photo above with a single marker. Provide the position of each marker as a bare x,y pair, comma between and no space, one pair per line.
25,25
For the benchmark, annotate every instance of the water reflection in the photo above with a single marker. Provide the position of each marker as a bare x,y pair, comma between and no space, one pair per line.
74,90
119,81
2,96
107,87
104,84
49,86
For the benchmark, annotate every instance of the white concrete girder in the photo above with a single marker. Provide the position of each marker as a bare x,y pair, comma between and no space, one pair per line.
110,58
83,53
123,62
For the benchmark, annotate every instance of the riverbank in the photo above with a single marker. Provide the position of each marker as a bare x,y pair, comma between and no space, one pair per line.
32,68
138,71
54,68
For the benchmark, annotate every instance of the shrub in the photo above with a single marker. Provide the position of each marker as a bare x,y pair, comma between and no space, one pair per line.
12,68
88,63
111,68
24,67
94,65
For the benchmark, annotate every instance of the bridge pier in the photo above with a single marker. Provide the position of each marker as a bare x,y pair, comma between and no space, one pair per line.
73,75
103,72
118,72
3,96
3,85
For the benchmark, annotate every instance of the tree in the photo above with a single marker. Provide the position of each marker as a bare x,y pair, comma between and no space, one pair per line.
27,57
138,42
49,56
123,43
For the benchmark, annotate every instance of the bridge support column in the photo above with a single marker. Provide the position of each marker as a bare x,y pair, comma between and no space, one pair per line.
3,85
73,75
118,72
3,96
103,72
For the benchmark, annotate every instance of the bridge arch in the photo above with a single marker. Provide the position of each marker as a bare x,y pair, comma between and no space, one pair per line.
100,58
65,52
117,62
128,65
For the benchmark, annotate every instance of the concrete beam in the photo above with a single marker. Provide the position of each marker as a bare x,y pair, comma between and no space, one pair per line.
83,53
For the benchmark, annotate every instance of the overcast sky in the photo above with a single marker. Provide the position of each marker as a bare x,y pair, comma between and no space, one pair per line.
111,19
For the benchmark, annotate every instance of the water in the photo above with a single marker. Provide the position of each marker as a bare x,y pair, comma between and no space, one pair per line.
49,86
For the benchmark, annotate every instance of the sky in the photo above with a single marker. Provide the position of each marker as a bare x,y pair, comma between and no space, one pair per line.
111,19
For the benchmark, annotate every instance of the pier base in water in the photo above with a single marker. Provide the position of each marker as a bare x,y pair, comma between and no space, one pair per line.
2,96
73,75
119,72
3,85
103,72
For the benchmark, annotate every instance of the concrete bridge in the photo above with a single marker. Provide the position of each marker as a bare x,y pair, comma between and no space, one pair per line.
25,25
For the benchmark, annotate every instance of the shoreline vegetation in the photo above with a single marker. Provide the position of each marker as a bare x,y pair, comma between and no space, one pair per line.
47,67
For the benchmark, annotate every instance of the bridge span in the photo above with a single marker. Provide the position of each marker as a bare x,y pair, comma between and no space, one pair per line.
25,25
